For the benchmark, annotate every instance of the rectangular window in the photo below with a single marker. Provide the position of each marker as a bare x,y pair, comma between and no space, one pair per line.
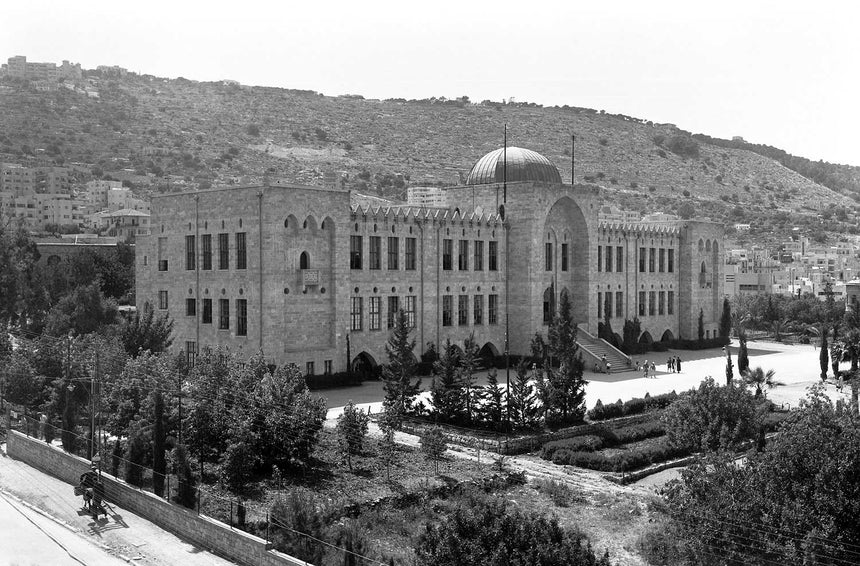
670,302
309,368
162,254
162,300
642,303
410,311
223,251
207,311
355,252
547,255
207,251
447,252
327,370
224,314
355,312
641,260
619,259
493,256
564,260
608,259
671,261
241,317
600,305
651,257
661,264
661,303
599,258
190,253
190,353
375,312
652,303
493,309
463,310
393,309
393,253
619,304
478,309
241,251
410,254
190,307
463,255
479,255
607,308
375,259
447,309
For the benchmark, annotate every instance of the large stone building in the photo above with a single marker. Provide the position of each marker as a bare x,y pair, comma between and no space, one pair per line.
313,275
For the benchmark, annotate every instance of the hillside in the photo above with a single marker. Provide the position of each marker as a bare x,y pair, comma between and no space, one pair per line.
179,133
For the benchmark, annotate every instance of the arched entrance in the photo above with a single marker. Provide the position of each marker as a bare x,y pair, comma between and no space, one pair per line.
646,339
488,354
667,336
364,366
571,268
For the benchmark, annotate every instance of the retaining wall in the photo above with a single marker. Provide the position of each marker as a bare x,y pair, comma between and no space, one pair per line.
203,531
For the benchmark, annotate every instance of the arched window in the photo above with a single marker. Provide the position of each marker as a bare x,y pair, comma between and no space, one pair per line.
305,261
701,245
708,246
548,305
703,275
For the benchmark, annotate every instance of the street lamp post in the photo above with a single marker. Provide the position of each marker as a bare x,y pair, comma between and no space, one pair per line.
348,357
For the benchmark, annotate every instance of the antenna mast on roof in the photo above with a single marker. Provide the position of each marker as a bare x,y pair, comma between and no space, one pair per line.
572,158
505,168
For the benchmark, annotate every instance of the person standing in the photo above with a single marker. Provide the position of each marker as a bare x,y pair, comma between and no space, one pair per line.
678,364
670,365
646,366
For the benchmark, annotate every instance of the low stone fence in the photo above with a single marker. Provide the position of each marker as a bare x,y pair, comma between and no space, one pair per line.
203,531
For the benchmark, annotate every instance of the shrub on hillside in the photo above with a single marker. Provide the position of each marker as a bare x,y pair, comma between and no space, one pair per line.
624,462
587,443
634,406
682,145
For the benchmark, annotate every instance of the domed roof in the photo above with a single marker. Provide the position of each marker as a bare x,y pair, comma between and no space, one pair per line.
523,165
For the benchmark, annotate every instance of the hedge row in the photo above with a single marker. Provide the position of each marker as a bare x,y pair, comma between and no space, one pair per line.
624,462
604,438
634,406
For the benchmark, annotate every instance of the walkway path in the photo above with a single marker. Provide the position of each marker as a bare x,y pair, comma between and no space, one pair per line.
122,532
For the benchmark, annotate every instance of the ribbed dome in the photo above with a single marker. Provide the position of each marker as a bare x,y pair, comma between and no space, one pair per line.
523,165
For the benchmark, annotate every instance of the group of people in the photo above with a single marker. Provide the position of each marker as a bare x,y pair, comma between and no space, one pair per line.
650,368
674,364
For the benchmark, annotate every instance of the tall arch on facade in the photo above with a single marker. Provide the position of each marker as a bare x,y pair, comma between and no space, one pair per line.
565,217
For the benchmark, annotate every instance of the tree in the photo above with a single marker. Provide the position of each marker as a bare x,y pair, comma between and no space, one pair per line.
492,398
484,531
446,388
632,329
726,319
83,311
522,401
18,257
701,330
686,211
711,417
186,491
433,445
760,380
823,354
237,463
743,355
397,375
351,429
159,463
135,456
389,422
729,373
147,333
795,502
565,386
468,365
19,382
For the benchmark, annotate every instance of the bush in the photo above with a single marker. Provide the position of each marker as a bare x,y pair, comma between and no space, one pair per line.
559,493
326,381
629,460
634,406
587,443
682,145
602,412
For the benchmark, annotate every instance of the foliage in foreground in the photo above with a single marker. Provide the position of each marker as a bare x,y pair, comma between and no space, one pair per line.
486,531
798,501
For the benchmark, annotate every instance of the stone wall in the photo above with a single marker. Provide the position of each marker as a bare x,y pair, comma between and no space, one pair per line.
200,530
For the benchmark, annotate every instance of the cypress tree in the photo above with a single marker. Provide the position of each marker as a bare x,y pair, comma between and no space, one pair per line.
726,319
397,375
743,356
823,355
159,464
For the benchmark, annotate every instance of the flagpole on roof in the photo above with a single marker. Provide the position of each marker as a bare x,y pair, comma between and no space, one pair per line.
505,168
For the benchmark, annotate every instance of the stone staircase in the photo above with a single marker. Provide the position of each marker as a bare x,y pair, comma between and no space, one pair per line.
593,350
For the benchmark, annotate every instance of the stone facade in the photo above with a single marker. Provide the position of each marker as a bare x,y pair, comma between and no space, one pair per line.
324,271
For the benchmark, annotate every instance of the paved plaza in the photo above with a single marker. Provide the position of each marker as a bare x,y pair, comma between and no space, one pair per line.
796,366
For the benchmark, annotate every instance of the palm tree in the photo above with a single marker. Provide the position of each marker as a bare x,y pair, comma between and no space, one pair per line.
760,379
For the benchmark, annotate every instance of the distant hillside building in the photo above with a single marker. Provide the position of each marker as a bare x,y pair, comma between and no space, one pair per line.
315,276
433,197
19,67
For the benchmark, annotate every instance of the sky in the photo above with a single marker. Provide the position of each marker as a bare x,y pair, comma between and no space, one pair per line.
784,73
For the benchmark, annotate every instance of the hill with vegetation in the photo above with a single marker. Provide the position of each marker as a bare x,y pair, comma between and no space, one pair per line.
159,134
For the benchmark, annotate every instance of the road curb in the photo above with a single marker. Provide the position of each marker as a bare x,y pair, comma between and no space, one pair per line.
60,522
